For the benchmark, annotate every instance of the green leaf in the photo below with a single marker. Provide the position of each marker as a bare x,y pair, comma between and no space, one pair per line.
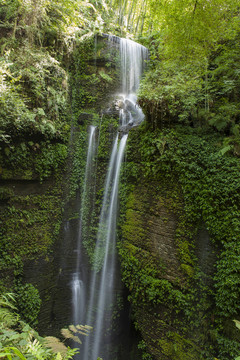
3,355
41,111
237,323
7,151
18,353
225,149
22,343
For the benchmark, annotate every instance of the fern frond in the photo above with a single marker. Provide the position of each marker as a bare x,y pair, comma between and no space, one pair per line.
73,328
7,316
6,300
69,335
56,345
36,349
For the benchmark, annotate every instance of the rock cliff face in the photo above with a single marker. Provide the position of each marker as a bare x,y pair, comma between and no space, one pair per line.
167,255
162,236
39,190
149,236
151,225
31,216
161,252
152,270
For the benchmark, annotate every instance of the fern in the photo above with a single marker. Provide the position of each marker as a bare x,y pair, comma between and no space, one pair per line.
25,343
35,348
105,76
7,352
8,317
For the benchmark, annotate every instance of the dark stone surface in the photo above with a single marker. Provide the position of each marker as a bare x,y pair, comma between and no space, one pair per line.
84,118
206,253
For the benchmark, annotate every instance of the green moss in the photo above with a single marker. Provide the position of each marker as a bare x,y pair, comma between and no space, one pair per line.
28,303
184,250
29,161
90,83
176,347
188,182
187,269
29,227
5,193
30,220
133,228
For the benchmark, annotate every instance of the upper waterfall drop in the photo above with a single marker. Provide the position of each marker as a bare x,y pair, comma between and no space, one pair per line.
133,58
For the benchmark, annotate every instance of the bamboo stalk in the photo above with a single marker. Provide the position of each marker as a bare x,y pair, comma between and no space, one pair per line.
134,13
123,10
143,18
136,28
130,13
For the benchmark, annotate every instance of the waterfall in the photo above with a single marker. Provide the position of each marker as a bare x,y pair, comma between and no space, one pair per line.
77,284
102,284
94,297
133,57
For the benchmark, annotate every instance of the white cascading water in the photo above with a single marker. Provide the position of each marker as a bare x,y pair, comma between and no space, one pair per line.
133,57
133,60
102,284
101,295
77,284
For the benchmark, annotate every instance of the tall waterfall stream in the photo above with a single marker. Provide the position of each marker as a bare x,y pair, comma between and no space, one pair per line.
94,295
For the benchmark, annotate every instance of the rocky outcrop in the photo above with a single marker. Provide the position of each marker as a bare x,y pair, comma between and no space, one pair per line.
152,271
166,261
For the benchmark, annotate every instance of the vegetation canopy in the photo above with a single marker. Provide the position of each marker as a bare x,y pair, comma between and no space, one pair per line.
189,144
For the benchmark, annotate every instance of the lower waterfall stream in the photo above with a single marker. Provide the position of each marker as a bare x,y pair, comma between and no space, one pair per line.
94,296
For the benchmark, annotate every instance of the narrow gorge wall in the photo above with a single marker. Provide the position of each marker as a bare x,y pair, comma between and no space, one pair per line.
152,266
53,192
40,180
178,225
170,246
31,216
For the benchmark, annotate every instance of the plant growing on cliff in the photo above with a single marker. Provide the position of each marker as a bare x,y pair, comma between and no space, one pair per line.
19,339
8,315
28,303
237,323
190,160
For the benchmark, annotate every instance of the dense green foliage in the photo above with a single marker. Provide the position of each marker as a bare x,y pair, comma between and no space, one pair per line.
194,180
194,73
28,303
50,58
193,76
36,44
19,341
